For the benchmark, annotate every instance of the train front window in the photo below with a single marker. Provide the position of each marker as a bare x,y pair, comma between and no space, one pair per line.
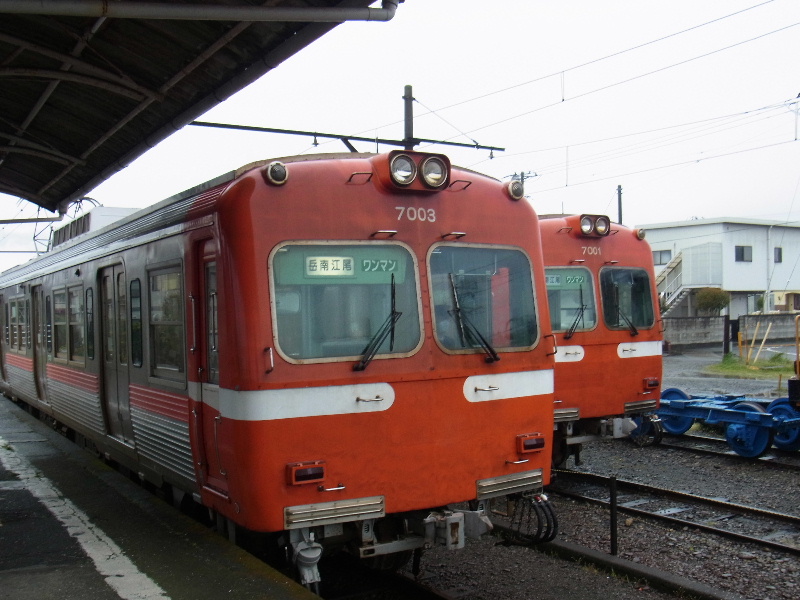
627,300
482,299
570,294
344,301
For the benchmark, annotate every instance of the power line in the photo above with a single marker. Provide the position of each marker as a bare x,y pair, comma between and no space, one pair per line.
669,166
634,78
585,64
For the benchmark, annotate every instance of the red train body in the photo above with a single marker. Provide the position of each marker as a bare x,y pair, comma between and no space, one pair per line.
605,315
333,347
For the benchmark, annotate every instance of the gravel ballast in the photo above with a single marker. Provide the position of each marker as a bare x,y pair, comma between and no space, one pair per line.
487,569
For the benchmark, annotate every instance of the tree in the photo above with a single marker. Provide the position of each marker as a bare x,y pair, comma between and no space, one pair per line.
712,300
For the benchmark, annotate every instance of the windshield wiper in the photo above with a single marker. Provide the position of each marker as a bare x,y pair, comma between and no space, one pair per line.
628,322
578,317
385,330
466,327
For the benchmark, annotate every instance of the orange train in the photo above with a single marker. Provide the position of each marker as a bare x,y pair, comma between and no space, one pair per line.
605,315
335,349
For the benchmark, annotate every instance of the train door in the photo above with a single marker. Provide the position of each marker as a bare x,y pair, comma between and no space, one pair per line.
40,342
208,373
114,336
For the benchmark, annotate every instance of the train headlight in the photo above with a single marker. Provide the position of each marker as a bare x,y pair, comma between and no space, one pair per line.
587,224
640,233
434,172
275,173
516,189
602,225
403,169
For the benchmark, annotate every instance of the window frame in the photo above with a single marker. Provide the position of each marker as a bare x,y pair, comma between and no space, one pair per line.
743,254
413,265
66,354
592,287
660,261
654,314
536,338
164,374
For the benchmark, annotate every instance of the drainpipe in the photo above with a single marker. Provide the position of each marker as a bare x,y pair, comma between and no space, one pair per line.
768,275
197,12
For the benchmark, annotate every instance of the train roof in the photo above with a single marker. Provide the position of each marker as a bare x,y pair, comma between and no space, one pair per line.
161,217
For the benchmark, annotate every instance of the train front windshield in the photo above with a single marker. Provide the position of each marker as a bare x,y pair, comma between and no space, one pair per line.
627,300
483,298
570,293
342,301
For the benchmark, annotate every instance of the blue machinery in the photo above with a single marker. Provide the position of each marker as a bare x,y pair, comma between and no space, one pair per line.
751,425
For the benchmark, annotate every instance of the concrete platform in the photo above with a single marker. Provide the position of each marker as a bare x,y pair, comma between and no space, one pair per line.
70,527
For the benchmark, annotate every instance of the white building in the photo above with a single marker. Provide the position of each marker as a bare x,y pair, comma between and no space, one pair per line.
755,261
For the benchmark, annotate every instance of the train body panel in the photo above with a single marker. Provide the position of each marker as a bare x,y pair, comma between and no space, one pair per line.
605,316
317,349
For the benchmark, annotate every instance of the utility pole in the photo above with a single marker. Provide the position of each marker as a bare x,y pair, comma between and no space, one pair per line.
619,204
408,113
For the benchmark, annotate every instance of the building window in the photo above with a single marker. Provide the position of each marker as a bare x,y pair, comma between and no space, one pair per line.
778,254
662,257
744,254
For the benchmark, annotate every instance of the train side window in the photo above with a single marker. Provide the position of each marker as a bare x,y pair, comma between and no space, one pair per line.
137,351
122,320
28,338
166,325
69,339
77,336
212,329
5,324
60,324
89,324
15,324
49,322
570,294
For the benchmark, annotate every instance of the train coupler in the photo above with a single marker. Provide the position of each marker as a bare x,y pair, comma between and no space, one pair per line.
533,520
306,553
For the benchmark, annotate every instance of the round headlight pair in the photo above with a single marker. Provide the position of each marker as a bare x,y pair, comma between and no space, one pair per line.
404,171
600,225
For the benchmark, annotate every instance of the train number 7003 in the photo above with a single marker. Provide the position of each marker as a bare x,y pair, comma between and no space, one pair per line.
412,213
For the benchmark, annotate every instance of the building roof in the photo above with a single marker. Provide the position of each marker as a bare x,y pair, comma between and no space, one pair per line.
721,221
87,86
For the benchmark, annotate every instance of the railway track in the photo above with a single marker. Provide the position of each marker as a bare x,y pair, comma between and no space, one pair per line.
709,445
716,516
345,578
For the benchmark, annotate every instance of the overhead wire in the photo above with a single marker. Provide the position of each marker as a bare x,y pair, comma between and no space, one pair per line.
608,56
634,78
558,73
697,130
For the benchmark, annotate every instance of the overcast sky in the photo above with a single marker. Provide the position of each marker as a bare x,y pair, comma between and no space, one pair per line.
687,104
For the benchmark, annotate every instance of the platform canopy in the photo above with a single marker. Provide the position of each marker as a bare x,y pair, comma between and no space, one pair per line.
87,86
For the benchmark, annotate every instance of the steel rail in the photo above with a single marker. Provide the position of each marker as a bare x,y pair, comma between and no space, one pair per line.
682,522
